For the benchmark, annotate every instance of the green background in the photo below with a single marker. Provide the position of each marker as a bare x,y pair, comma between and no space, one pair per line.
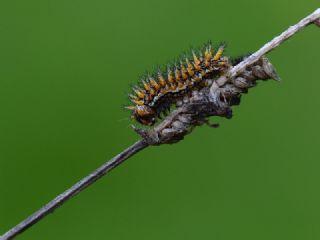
65,69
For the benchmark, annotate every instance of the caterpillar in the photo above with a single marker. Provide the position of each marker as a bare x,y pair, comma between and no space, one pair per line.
158,92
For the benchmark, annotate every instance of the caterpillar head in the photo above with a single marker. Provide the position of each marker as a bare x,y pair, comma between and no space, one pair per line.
144,115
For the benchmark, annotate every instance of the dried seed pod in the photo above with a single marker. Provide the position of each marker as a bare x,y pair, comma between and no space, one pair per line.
198,107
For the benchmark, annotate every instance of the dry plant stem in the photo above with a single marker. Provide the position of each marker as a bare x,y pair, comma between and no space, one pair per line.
74,190
100,172
312,18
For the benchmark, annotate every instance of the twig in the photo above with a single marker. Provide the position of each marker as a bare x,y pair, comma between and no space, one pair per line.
74,190
312,18
117,160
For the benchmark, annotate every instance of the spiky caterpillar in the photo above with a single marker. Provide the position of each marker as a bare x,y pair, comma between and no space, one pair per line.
156,96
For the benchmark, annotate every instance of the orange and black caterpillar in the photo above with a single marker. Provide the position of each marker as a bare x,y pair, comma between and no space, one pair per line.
158,93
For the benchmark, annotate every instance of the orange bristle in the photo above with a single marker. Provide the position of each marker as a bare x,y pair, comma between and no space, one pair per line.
161,79
189,68
173,87
146,86
170,76
152,92
133,96
208,56
132,108
138,102
141,111
183,71
197,66
180,85
163,90
177,74
195,59
139,93
154,84
218,54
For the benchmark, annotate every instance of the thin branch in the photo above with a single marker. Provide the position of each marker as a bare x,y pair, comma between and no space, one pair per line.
117,160
74,190
312,18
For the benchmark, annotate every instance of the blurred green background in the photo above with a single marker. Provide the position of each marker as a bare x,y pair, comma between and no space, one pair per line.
65,69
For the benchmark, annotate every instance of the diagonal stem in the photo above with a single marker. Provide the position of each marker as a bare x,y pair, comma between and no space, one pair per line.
74,190
275,42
